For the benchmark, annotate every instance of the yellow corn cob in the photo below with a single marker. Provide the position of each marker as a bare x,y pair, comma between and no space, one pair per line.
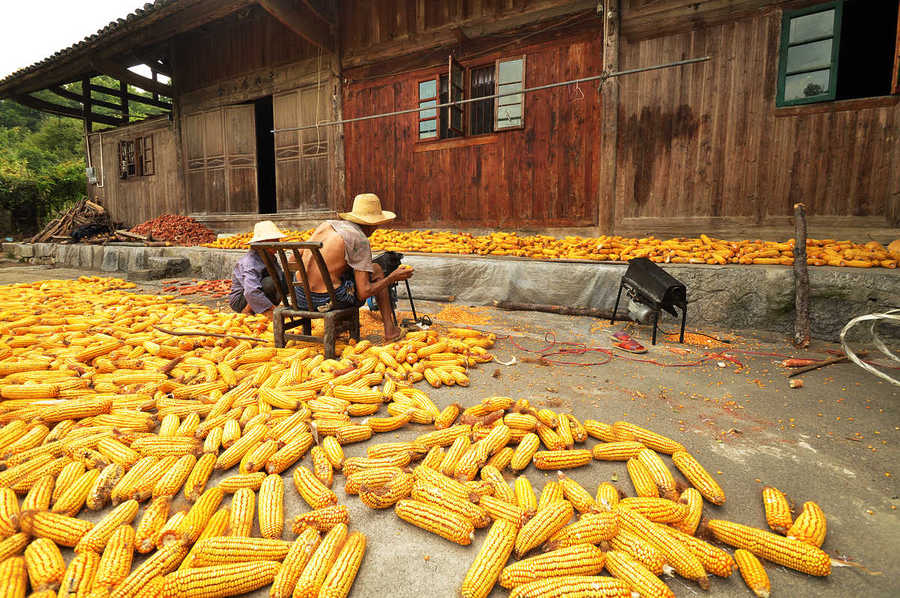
500,488
32,392
167,446
73,498
220,580
810,525
576,494
392,449
388,424
45,565
333,452
657,442
636,575
312,490
343,572
79,576
321,561
591,528
641,479
289,453
525,451
271,507
502,458
160,563
581,559
168,528
564,431
373,477
231,432
172,480
659,510
13,545
551,492
778,510
564,459
295,561
74,409
520,421
29,440
199,476
478,488
607,496
753,573
692,498
152,520
665,481
698,477
616,451
216,526
677,554
255,459
642,551
714,559
321,520
491,557
550,438
96,350
9,512
233,454
233,483
96,539
428,493
126,485
434,458
144,488
384,496
213,441
67,477
457,449
13,431
525,496
574,585
234,549
243,508
38,497
13,577
322,468
101,490
501,509
436,520
117,452
469,463
354,464
443,437
543,525
447,416
115,564
196,519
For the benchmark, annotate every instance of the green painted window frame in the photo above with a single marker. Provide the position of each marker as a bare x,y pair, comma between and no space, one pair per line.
787,17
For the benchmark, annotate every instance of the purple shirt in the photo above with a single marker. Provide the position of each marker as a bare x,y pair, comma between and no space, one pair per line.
246,280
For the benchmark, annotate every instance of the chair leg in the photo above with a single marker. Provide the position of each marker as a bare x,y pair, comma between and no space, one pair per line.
354,326
328,340
683,321
278,328
307,326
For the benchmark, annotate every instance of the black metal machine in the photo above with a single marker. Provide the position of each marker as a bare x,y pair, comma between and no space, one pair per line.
651,289
390,261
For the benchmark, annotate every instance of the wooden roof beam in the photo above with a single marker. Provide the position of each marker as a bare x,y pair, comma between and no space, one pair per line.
132,97
61,110
117,71
65,93
324,9
299,18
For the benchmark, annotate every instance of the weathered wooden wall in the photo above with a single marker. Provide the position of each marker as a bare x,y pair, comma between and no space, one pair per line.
703,147
541,175
138,198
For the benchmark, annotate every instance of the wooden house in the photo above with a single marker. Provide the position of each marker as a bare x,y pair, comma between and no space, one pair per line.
797,103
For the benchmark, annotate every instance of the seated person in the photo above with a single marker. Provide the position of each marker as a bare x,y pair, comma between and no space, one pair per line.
348,256
252,289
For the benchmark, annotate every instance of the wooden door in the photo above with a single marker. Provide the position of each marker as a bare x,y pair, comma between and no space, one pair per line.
220,146
301,157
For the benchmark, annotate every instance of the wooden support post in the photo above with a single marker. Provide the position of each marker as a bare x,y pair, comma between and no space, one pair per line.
86,104
609,100
123,97
801,279
338,182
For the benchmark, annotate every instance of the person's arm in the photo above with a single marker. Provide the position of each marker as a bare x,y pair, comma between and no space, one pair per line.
253,293
366,288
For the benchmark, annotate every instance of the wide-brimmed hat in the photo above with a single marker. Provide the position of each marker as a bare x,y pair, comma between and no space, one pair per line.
367,210
266,231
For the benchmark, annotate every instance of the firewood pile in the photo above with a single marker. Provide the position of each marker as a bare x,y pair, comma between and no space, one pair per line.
83,213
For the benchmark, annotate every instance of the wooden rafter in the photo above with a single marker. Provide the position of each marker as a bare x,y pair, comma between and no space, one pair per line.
299,18
121,73
65,93
322,9
60,110
132,97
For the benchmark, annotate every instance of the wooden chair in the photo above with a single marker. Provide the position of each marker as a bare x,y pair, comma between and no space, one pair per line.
289,315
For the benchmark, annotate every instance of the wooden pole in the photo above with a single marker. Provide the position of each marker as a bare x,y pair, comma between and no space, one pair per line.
609,106
801,279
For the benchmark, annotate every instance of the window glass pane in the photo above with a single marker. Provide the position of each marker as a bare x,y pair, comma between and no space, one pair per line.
509,116
428,113
513,99
481,114
812,26
806,57
510,71
428,128
427,89
806,85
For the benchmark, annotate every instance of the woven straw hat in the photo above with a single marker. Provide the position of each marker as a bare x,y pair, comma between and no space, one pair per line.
266,231
367,210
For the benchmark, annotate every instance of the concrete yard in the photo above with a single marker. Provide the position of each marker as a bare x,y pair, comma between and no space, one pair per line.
834,441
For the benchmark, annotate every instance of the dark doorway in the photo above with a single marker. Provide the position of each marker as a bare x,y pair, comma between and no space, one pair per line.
265,155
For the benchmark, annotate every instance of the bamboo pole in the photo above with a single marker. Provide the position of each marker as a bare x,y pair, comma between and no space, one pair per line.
801,279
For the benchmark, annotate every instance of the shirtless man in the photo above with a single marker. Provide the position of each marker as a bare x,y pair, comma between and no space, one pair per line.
348,256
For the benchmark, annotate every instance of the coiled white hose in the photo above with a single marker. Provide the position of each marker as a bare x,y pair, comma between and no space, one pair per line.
892,316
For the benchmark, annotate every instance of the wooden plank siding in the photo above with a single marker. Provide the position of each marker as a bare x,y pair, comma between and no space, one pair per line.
138,198
703,147
540,175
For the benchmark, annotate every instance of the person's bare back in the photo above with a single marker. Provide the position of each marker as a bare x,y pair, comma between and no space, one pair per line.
333,253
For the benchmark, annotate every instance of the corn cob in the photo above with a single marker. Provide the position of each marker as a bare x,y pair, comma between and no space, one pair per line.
152,520
447,416
230,433
168,528
160,563
434,495
564,431
677,554
143,490
753,573
321,561
67,477
434,458
388,424
216,526
659,510
321,520
271,507
576,494
13,545
436,520
62,529
12,431
9,512
698,477
392,449
591,528
220,580
542,526
665,481
342,574
640,550
312,490
525,451
694,501
232,549
115,564
443,437
243,509
581,559
13,577
100,492
491,557
384,496
294,563
172,480
213,441
525,496
564,459
552,491
500,488
255,459
45,565
73,409
117,452
550,438
501,509
641,479
657,442
29,440
234,453
607,496
714,559
616,451
639,578
354,464
126,485
38,497
810,525
233,483
289,453
502,458
79,575
199,476
322,467
333,452
778,510
96,539
373,477
196,519
457,449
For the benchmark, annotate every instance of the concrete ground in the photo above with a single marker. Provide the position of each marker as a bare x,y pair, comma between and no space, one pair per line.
834,441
